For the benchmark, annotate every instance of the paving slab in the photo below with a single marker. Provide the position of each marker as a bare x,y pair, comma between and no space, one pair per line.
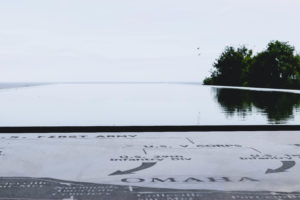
150,165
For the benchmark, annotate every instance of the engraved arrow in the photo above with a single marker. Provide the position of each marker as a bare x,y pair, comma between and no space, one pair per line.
144,165
285,166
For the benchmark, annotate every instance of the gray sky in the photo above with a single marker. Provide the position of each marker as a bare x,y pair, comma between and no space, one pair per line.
134,40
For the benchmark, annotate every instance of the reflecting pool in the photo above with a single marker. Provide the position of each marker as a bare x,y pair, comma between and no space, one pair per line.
126,104
277,107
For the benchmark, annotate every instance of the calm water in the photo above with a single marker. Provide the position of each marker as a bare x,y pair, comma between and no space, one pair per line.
277,107
144,104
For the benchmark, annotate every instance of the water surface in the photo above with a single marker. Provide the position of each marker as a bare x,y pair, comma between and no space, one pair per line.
277,107
126,104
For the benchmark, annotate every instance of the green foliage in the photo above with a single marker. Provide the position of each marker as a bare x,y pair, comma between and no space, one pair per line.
231,66
276,67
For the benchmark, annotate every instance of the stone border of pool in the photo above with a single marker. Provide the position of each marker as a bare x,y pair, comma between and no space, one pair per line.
91,129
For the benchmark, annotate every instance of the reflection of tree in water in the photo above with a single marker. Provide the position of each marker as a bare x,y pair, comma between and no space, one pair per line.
277,106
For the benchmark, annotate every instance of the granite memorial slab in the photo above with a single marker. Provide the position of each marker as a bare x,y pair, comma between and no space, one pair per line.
150,165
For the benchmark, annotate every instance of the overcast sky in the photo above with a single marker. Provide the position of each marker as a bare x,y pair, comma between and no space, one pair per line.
134,40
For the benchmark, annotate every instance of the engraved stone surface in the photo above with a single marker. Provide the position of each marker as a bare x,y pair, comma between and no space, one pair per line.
150,166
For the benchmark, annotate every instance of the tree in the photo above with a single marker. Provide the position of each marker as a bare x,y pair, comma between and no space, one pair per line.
231,67
277,67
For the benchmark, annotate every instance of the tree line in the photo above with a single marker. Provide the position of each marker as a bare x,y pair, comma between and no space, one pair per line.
278,66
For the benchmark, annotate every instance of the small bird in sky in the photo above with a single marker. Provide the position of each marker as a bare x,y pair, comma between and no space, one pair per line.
198,50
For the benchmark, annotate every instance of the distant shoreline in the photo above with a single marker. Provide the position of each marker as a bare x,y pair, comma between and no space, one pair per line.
7,85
